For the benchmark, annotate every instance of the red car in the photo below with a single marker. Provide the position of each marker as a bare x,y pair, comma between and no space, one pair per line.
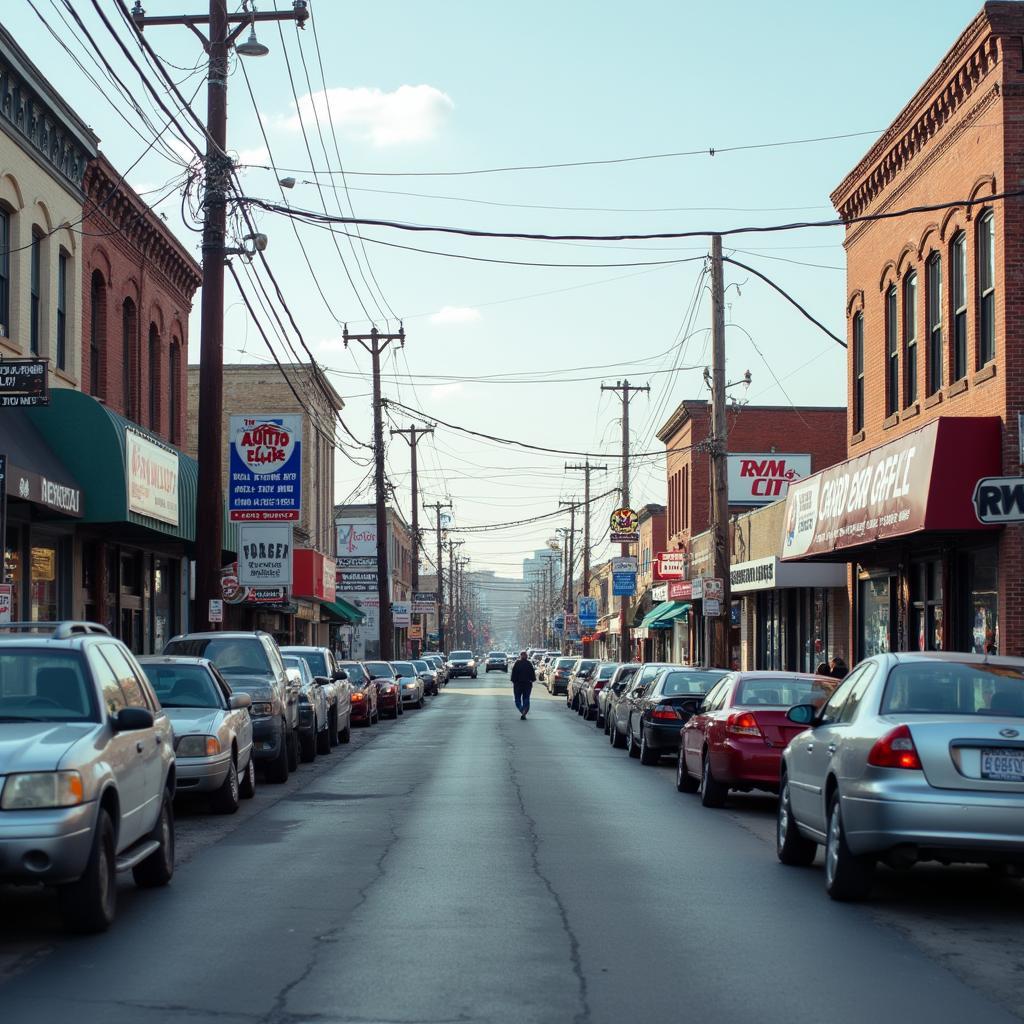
736,738
389,699
365,706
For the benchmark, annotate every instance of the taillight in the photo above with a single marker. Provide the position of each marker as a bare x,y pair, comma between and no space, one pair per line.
599,685
665,712
357,696
743,724
895,750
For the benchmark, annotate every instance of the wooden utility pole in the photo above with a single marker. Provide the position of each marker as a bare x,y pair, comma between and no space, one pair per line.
218,167
453,624
375,343
437,506
412,435
586,469
625,649
717,652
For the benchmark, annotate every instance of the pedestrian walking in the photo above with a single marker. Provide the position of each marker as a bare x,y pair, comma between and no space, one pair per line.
523,677
839,668
823,669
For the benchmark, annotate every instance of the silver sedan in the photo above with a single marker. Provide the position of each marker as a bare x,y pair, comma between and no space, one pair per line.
915,757
212,729
410,684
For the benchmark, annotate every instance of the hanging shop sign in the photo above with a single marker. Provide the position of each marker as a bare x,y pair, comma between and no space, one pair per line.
234,592
400,614
264,555
424,602
999,499
659,592
761,478
587,609
686,590
358,582
625,525
624,563
671,565
265,468
415,631
712,588
23,382
623,584
770,574
151,472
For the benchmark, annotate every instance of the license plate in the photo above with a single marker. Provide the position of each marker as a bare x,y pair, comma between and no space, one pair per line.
1003,765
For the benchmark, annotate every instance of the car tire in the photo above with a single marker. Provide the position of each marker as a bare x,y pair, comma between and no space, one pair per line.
308,743
158,868
847,876
292,747
227,799
332,727
598,719
791,847
89,904
324,737
618,741
279,769
420,702
712,792
345,736
247,785
647,755
685,782
632,747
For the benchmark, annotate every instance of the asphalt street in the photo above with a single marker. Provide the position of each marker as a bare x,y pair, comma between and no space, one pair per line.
463,865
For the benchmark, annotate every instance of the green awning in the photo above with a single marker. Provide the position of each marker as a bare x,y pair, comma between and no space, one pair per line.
341,610
661,616
655,613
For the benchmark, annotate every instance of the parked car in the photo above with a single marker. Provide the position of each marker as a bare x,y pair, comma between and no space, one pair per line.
578,678
212,729
87,768
914,757
337,689
598,680
462,663
410,685
621,708
314,724
557,676
438,664
606,697
497,661
363,696
428,675
736,738
388,694
251,662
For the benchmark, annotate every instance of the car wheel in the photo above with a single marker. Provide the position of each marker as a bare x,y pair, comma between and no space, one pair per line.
345,736
278,769
618,741
792,848
228,797
323,738
647,756
307,744
847,876
632,747
332,727
292,746
598,719
685,782
712,792
89,904
158,867
247,787
420,702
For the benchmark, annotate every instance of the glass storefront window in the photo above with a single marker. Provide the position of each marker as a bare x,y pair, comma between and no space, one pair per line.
983,597
43,582
875,616
926,625
13,573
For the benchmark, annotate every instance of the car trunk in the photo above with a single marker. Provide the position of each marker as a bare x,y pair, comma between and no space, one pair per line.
775,727
686,704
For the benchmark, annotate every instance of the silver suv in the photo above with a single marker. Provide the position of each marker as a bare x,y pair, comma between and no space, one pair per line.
87,771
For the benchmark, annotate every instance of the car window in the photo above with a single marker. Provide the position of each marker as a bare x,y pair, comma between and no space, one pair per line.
403,668
184,686
857,694
675,683
52,685
273,654
356,673
955,688
233,655
315,659
130,685
710,699
649,672
565,662
833,708
782,692
106,677
380,669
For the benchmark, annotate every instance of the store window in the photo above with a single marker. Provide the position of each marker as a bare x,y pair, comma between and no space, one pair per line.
982,587
13,570
164,587
875,594
926,625
44,582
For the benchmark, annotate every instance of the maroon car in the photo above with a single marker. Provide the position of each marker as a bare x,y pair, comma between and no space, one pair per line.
736,738
365,704
389,698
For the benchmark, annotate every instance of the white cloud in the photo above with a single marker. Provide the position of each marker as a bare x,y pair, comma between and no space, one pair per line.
331,345
411,113
456,315
257,155
446,390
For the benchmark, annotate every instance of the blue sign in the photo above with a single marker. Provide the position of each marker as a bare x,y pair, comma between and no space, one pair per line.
265,468
623,584
558,622
587,607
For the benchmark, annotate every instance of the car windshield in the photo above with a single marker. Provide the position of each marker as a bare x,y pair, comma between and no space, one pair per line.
587,665
461,655
38,685
183,686
495,654
315,659
955,688
292,661
781,692
676,683
648,673
565,662
606,672
403,668
232,655
355,672
421,666
379,669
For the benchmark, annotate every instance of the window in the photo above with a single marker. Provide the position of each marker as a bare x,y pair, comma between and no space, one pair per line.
934,298
62,310
958,288
5,271
926,621
173,392
134,695
97,332
107,679
129,357
36,276
857,694
986,288
892,349
910,336
154,378
858,372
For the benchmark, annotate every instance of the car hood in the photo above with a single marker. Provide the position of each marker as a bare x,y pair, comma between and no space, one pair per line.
194,720
39,746
460,661
405,680
257,688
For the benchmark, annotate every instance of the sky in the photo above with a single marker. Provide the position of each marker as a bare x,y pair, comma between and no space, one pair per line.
520,352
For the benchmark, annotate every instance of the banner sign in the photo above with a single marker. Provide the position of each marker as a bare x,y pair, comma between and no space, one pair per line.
424,602
400,614
623,584
151,473
23,382
713,588
672,565
760,479
264,555
356,582
587,608
265,468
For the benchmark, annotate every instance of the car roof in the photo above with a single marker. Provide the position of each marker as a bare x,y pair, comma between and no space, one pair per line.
767,674
976,659
212,634
303,648
172,659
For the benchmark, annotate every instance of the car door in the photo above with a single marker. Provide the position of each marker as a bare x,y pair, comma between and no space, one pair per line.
695,729
343,688
240,720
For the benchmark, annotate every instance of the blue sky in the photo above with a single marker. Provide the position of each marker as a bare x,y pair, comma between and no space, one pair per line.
462,85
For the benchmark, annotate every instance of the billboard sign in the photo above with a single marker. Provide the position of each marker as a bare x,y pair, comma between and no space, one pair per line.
761,478
264,555
357,542
265,467
151,478
424,602
623,584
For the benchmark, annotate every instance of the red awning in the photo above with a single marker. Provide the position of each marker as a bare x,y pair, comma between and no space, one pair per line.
922,481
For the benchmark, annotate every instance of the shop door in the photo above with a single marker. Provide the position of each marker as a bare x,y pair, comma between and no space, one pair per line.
131,629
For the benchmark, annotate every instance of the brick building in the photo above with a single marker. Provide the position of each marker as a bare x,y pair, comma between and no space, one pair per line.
935,372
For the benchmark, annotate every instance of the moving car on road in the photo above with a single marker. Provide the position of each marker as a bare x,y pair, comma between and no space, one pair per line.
462,663
212,729
496,661
410,683
383,676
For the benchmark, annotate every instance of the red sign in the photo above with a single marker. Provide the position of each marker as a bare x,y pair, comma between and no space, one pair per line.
680,590
671,565
313,575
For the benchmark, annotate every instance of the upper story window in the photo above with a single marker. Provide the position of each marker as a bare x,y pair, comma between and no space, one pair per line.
958,293
934,297
858,372
61,354
173,390
129,355
892,353
5,272
154,378
36,285
986,257
97,332
910,337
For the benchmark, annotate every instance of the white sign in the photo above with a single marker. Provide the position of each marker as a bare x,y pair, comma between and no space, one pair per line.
760,479
756,575
712,606
400,614
216,610
659,592
151,473
624,563
356,539
265,554
6,601
713,588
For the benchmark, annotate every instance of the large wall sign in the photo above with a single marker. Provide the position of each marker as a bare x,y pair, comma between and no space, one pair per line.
264,555
151,475
761,478
357,540
265,468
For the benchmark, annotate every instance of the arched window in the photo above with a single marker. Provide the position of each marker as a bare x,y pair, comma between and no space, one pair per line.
61,346
986,260
130,356
35,290
892,353
858,372
5,272
910,337
97,333
958,293
154,377
934,300
174,390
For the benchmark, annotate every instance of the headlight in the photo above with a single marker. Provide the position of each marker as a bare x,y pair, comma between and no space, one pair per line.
471,663
261,709
197,746
37,790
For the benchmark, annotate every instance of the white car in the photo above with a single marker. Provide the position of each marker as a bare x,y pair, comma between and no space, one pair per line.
410,683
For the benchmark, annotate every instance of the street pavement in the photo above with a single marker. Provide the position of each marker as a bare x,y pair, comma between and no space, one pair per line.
463,865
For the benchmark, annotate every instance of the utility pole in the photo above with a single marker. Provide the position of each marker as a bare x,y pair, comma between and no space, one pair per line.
452,593
217,172
716,645
437,506
375,343
414,434
626,388
586,469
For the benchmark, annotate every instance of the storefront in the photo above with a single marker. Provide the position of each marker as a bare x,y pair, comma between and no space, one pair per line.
926,573
314,586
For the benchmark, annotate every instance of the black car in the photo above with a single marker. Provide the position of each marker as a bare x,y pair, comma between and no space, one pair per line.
615,688
558,673
580,677
462,663
622,708
600,677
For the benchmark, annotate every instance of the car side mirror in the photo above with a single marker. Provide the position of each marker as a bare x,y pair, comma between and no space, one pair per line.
130,719
321,680
340,675
238,701
802,714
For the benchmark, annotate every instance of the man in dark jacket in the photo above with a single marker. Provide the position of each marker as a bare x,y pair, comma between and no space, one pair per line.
523,677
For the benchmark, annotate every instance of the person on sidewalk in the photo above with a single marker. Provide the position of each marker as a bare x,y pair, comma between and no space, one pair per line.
523,677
